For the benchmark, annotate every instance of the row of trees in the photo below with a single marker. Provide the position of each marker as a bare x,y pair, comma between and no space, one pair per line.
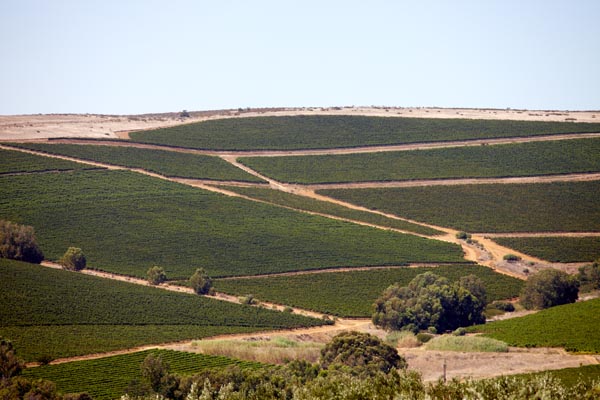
430,302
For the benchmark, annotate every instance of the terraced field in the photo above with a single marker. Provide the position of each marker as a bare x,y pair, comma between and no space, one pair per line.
540,207
352,294
523,159
57,313
127,222
12,162
572,326
162,162
556,249
327,132
108,378
317,206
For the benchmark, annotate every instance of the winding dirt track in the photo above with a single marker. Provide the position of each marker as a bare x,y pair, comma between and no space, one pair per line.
316,152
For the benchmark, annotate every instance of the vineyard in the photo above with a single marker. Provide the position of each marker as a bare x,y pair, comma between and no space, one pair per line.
315,132
351,294
16,162
557,206
308,204
108,378
162,162
126,222
526,159
556,249
40,303
572,326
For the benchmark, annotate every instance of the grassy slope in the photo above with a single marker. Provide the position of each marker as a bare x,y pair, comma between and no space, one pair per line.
16,161
572,326
353,293
558,206
36,300
306,132
556,249
525,159
162,162
107,378
126,222
304,203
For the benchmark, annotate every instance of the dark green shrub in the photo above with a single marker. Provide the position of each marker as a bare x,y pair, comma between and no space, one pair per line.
73,259
424,337
18,242
201,282
360,351
511,258
504,306
156,275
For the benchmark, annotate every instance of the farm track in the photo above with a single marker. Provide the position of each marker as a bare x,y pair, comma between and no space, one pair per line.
318,152
540,234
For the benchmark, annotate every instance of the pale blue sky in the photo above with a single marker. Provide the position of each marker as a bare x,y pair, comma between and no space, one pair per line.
128,56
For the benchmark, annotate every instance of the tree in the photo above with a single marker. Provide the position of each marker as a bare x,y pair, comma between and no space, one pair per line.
156,275
201,282
589,276
18,242
10,364
73,259
359,350
549,288
431,302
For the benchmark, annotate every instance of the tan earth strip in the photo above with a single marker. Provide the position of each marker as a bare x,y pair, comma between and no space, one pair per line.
317,152
541,234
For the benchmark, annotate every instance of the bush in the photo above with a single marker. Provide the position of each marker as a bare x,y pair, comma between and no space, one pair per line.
248,300
549,288
201,282
459,332
156,275
10,364
589,276
73,259
431,302
18,242
361,352
504,306
511,258
463,236
424,337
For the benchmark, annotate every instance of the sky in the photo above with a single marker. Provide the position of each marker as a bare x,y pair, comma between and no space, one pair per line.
131,57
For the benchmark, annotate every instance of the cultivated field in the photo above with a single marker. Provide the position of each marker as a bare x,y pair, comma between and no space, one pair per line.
327,132
523,159
352,293
91,376
59,314
127,222
539,207
248,200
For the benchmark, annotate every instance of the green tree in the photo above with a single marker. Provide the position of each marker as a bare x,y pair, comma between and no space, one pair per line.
156,275
10,364
201,282
431,302
73,259
549,288
589,276
360,351
18,242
